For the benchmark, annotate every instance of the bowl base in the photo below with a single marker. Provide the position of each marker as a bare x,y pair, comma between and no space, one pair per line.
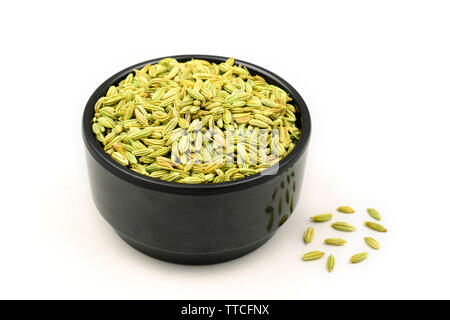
194,258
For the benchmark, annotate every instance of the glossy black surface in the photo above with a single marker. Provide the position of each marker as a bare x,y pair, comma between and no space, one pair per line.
195,224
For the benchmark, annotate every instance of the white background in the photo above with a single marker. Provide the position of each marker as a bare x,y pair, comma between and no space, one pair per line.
375,75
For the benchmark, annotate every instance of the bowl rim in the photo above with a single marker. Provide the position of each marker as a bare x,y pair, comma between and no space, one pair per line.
97,152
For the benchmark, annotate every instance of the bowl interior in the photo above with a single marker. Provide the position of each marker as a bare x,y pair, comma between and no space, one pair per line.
96,150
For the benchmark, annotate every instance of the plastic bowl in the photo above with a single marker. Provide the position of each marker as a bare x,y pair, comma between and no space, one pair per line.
195,224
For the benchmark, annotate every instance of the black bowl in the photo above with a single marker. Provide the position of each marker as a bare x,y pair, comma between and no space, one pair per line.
195,224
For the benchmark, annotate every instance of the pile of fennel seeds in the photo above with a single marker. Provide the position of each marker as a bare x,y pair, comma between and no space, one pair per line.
161,117
309,235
